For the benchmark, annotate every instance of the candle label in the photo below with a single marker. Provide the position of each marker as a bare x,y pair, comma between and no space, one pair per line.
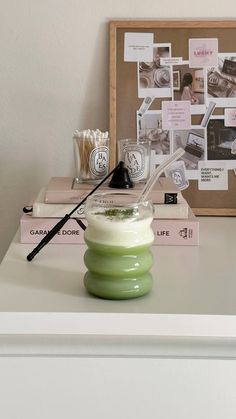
98,161
134,159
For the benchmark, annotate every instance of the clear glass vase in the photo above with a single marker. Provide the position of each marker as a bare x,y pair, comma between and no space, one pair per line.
119,237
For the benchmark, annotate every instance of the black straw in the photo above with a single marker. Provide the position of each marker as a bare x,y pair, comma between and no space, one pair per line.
62,222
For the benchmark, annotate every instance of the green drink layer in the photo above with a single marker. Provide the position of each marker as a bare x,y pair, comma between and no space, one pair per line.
117,265
119,288
117,272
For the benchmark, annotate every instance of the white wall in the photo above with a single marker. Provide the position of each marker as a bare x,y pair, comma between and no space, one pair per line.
54,79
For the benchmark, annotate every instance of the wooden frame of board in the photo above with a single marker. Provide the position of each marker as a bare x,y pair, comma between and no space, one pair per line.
124,101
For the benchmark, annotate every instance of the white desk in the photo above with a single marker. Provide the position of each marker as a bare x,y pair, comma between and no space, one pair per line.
170,354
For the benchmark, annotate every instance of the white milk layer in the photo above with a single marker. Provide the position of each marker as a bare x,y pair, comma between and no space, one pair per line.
127,233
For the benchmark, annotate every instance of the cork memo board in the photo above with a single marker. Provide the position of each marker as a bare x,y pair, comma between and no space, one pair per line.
210,146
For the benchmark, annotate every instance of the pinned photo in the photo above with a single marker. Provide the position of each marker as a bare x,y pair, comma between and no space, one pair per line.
154,79
194,144
189,84
150,127
221,141
221,81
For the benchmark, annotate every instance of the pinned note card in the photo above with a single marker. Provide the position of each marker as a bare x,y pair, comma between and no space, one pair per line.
138,46
213,175
176,114
230,117
203,52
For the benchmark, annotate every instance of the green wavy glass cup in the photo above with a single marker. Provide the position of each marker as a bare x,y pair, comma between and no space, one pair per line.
119,237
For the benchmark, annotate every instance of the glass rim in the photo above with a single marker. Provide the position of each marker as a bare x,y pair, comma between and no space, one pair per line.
100,195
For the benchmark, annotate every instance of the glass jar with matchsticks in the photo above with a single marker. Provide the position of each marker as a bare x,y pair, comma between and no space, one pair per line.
91,152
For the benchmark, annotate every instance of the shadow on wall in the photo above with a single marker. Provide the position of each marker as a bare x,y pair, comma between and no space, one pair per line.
40,118
22,183
94,112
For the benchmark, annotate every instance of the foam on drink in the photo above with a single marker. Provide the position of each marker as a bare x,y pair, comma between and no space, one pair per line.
127,232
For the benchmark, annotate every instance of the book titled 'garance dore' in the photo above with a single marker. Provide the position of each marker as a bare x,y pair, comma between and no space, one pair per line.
166,231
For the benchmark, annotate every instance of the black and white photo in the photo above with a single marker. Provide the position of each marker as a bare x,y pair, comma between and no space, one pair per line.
154,79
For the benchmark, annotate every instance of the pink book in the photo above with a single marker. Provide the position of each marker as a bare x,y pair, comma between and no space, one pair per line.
177,232
33,230
166,231
64,190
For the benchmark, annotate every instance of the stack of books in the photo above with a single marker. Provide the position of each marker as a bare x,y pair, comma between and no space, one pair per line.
174,222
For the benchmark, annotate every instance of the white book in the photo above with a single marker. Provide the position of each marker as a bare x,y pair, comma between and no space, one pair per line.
41,209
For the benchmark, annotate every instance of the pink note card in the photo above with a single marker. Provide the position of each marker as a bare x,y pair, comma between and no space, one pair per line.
203,52
176,115
230,117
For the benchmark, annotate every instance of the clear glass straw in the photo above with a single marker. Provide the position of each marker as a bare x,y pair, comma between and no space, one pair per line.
151,181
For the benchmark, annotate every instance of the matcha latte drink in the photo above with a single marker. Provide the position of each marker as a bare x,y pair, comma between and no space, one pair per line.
119,237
